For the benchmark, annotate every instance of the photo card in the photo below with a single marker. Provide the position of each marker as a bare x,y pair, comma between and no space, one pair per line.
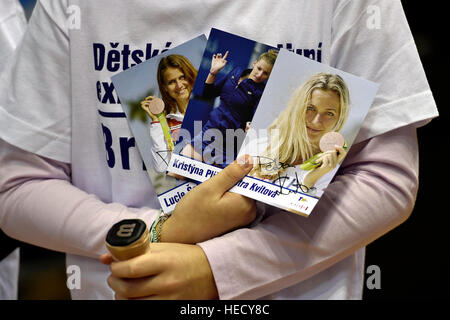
233,74
307,119
154,96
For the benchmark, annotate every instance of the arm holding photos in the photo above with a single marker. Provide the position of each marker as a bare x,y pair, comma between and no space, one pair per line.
204,213
25,177
292,249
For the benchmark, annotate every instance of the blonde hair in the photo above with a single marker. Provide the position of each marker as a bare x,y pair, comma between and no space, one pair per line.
288,136
269,56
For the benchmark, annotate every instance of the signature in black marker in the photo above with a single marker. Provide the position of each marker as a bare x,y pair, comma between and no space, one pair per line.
160,152
284,182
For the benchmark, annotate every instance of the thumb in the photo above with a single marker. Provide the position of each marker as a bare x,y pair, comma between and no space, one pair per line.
228,177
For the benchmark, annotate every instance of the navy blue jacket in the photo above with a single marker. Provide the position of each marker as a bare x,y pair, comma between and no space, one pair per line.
238,103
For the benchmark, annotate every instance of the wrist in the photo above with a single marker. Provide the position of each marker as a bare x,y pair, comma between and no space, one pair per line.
168,232
174,230
171,231
313,176
208,284
157,227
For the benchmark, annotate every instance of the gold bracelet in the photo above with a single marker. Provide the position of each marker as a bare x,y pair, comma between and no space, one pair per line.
157,227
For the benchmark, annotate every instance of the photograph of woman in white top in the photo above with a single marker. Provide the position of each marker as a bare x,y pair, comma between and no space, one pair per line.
318,106
176,76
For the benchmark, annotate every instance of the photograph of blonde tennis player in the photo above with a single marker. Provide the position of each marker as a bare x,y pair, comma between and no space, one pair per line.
291,150
176,76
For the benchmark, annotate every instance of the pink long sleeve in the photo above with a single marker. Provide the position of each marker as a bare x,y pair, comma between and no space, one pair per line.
39,205
374,191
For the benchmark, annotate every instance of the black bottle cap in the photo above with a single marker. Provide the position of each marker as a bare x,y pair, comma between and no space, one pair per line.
125,232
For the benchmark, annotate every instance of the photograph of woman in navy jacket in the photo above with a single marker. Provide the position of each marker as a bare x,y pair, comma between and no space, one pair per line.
239,91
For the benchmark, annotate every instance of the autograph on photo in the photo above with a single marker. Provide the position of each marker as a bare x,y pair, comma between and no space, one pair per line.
285,182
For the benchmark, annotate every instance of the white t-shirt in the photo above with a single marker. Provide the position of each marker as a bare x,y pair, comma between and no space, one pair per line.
12,27
62,105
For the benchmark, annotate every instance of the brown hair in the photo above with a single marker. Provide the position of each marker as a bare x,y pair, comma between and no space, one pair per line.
185,66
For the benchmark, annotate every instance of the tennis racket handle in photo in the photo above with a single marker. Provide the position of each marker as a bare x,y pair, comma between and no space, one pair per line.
128,239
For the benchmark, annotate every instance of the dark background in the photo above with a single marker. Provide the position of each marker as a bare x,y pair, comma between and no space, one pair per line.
412,258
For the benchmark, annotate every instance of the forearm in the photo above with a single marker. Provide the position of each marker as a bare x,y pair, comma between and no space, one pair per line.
211,78
39,205
373,193
311,178
213,86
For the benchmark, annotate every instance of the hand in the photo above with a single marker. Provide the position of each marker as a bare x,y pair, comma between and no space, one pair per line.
218,63
329,160
209,210
166,271
145,107
247,126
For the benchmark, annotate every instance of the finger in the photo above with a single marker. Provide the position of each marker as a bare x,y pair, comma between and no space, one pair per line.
332,159
142,288
119,297
326,157
144,105
226,55
342,152
319,160
229,176
141,266
152,297
158,297
133,288
106,258
324,161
